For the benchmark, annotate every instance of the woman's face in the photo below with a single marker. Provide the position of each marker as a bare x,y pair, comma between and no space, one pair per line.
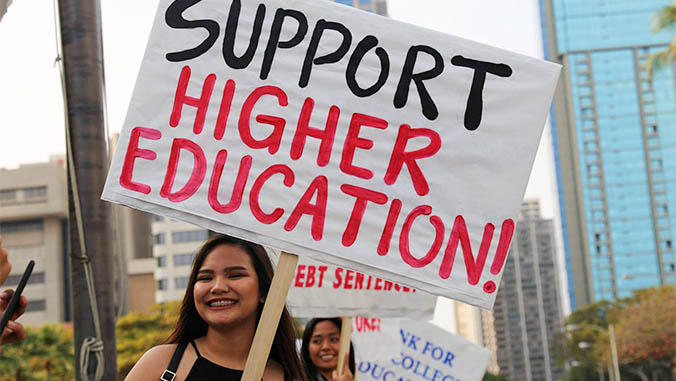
324,346
226,290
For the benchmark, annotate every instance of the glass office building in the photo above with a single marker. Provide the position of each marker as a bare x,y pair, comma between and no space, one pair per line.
614,132
376,6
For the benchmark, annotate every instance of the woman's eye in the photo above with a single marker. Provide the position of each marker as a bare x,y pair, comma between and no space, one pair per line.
316,341
236,275
335,339
204,279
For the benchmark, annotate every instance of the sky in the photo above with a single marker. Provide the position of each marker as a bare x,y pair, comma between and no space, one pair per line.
31,107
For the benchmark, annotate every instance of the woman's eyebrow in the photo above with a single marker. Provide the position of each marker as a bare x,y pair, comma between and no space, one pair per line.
235,268
205,271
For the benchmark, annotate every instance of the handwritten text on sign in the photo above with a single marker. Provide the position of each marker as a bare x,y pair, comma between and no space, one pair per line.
316,127
325,290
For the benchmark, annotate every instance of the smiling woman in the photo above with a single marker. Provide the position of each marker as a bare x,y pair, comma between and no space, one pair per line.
228,284
319,351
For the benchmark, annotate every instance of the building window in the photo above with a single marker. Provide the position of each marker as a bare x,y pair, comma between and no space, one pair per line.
161,284
21,226
36,305
157,218
35,278
33,193
189,236
183,259
161,261
7,195
158,239
181,282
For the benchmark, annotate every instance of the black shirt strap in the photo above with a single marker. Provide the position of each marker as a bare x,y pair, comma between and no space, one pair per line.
170,373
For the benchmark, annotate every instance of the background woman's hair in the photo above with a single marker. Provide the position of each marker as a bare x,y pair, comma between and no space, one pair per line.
308,365
190,324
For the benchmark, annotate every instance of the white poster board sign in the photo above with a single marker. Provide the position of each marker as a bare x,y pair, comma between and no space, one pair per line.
320,289
330,132
375,339
428,353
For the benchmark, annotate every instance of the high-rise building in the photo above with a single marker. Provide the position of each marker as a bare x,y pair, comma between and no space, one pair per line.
527,310
614,134
33,215
376,6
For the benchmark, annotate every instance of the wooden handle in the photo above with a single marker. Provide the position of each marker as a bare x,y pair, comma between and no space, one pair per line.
345,334
272,311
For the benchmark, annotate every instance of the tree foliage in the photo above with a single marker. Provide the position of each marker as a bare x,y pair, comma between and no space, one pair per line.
664,20
45,354
138,332
645,331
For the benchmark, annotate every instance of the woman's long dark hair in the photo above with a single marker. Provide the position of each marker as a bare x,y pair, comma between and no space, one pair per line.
190,324
308,365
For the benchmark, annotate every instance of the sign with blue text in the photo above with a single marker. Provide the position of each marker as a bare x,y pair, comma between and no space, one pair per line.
337,134
428,353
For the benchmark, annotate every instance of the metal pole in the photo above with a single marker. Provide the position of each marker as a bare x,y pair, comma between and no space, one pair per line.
83,80
601,376
613,350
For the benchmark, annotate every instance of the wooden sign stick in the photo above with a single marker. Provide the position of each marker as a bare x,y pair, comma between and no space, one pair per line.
272,311
345,334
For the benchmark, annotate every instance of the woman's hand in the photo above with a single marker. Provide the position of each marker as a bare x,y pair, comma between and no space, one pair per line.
347,375
14,332
5,266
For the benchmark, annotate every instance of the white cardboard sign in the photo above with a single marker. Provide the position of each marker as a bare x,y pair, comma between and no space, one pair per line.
428,353
320,289
330,132
375,339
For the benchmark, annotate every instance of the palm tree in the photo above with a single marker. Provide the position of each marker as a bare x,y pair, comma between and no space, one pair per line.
666,19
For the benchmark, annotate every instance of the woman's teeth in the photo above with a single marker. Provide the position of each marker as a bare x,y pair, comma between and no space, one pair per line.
222,303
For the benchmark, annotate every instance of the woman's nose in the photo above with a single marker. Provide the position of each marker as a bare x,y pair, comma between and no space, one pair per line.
220,285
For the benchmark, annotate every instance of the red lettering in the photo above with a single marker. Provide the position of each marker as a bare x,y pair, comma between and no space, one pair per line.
238,188
378,285
199,169
387,286
353,141
321,269
358,280
304,130
400,157
404,249
391,222
299,276
310,276
202,103
339,277
362,196
318,210
224,110
277,123
474,268
254,204
132,153
506,232
349,275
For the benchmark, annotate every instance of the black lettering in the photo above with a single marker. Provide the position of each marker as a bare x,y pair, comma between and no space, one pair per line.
429,109
368,43
174,18
231,32
276,30
336,56
475,102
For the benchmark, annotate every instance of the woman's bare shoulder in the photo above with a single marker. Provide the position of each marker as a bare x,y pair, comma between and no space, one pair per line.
152,364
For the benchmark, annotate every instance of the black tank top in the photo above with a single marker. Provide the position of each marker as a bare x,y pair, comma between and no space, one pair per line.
204,369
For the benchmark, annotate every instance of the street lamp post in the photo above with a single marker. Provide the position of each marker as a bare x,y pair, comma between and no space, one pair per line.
615,373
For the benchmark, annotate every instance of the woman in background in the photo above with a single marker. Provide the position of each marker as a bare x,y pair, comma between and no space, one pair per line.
319,351
228,284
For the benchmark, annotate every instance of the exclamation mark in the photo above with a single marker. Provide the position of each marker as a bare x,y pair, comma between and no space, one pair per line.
506,233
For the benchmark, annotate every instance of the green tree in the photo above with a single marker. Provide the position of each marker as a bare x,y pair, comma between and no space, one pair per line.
666,19
138,332
494,377
645,330
45,354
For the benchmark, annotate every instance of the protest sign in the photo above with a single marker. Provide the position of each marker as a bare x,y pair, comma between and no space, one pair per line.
375,339
330,132
320,289
428,353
